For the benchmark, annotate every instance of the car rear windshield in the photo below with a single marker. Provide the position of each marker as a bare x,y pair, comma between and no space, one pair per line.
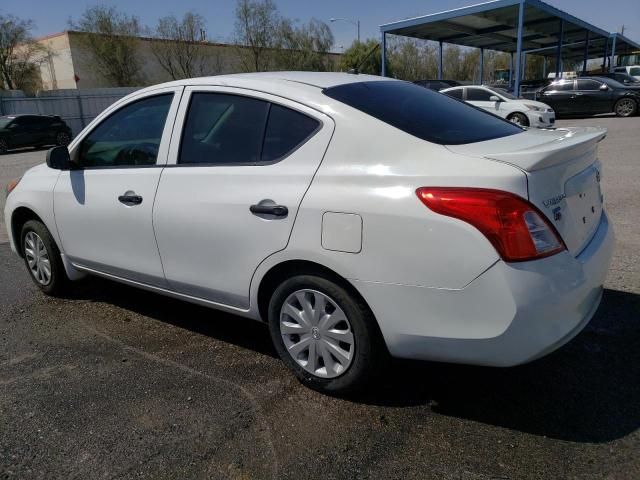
422,113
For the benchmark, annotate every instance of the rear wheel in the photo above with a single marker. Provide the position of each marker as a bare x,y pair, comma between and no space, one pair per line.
42,258
625,107
519,119
4,146
324,334
63,139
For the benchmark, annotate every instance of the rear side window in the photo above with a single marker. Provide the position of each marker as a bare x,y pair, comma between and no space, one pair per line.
226,129
422,113
223,129
286,130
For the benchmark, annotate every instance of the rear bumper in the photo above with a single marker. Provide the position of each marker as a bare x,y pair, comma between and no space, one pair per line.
511,314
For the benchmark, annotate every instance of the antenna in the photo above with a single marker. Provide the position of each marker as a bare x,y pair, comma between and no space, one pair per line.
356,70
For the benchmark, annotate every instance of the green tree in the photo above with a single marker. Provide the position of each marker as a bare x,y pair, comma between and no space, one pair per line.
20,54
304,47
112,40
355,55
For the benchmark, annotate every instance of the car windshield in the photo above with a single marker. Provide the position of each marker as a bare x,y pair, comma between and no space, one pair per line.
422,113
4,121
503,93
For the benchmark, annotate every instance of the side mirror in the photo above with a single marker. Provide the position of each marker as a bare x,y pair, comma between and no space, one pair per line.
604,88
493,98
59,159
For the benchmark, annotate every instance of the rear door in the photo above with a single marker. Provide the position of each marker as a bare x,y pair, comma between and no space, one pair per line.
590,98
239,165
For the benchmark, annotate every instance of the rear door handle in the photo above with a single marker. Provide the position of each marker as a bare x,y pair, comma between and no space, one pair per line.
277,210
130,199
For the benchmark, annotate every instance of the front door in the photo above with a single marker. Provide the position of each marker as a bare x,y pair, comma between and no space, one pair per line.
104,209
558,96
232,187
590,98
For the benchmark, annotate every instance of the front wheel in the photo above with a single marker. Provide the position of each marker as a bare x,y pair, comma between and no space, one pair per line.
326,335
519,119
625,107
42,258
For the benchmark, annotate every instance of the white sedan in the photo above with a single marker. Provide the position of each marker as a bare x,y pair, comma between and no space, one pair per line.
527,113
358,216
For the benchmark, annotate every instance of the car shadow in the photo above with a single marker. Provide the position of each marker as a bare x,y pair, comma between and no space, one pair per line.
587,391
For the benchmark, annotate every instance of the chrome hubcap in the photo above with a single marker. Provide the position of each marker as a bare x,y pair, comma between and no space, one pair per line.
625,107
37,258
317,333
516,119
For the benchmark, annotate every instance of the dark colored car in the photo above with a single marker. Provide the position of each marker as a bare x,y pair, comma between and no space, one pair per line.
591,96
17,131
623,78
437,85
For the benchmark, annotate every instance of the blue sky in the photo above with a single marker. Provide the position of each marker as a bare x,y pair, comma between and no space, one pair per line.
52,16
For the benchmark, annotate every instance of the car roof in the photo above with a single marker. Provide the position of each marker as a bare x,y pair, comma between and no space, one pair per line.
304,87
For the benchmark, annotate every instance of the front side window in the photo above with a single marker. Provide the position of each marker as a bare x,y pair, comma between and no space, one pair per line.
223,129
423,113
478,95
561,86
454,93
588,85
130,137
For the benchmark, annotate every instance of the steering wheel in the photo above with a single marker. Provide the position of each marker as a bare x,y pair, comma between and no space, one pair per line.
144,153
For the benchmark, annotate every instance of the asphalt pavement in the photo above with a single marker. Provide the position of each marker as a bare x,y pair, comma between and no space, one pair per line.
114,382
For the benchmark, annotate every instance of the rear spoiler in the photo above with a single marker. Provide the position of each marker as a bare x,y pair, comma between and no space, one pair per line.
572,143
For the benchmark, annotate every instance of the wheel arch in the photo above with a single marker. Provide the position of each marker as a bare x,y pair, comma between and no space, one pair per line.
19,217
285,269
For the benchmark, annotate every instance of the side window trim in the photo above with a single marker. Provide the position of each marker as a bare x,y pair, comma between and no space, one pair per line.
163,150
183,111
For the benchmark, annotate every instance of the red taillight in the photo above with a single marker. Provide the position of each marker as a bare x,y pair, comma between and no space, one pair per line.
516,228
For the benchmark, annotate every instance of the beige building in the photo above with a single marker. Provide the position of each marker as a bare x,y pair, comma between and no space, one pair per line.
67,64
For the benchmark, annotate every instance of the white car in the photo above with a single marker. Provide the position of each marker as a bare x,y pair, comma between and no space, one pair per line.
633,70
527,113
358,216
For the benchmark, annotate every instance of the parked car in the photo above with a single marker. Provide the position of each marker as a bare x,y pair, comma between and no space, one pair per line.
17,131
623,78
633,70
523,112
437,84
591,96
358,216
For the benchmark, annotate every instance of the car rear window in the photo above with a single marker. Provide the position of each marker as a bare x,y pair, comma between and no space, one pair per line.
423,113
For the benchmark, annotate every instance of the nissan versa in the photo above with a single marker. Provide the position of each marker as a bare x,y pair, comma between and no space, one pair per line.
358,216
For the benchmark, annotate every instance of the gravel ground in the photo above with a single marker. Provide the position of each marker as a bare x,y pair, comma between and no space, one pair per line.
113,382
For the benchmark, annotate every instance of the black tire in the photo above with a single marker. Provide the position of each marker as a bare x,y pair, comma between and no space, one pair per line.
4,146
519,119
370,354
625,107
63,139
58,279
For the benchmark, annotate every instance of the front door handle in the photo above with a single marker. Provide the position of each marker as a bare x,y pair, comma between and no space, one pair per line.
277,210
130,199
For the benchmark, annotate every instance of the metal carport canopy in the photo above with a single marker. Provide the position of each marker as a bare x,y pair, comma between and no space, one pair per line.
513,26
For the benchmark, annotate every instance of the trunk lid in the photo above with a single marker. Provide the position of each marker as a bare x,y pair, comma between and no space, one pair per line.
563,175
